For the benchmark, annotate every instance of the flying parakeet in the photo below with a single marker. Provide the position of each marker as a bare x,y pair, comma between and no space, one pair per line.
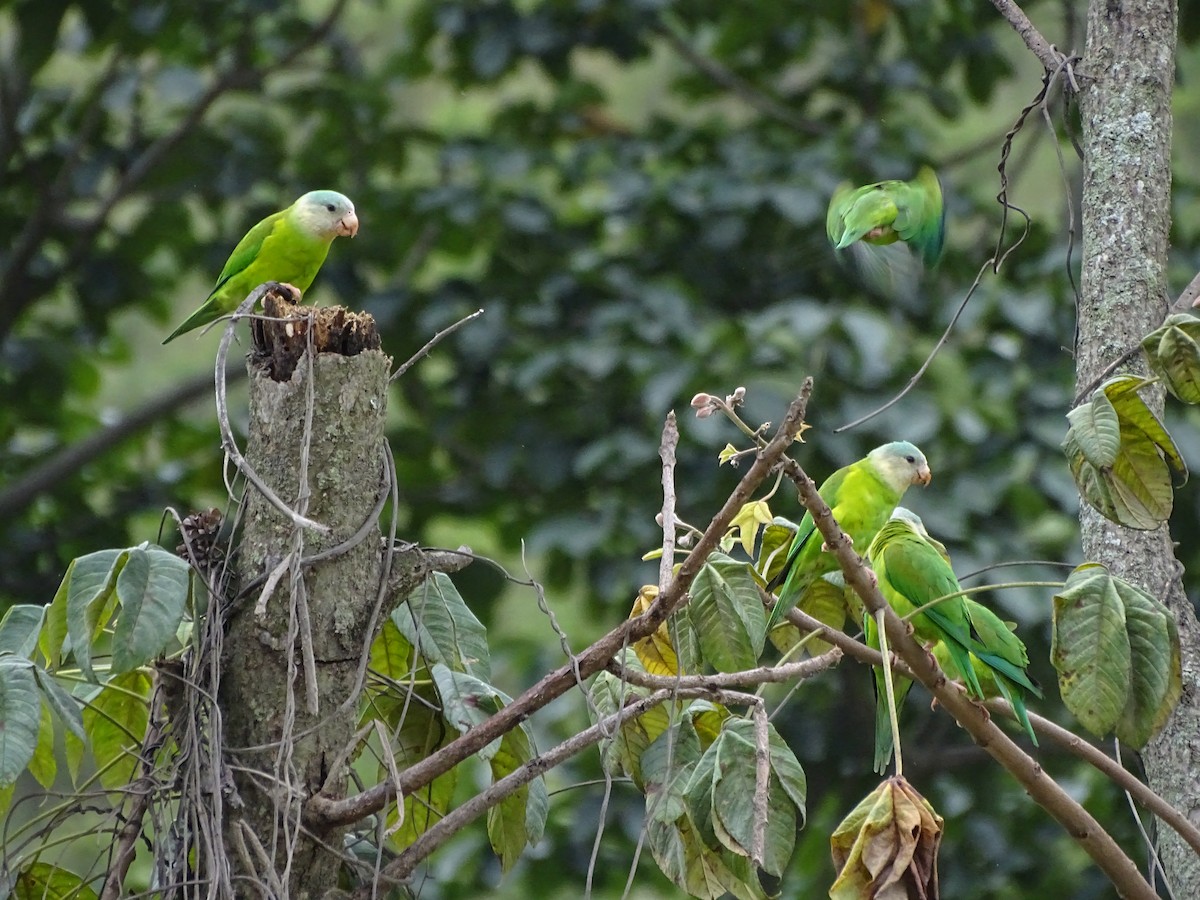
890,229
288,246
861,497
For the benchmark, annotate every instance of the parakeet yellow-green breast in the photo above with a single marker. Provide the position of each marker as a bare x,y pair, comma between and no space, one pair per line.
861,497
287,246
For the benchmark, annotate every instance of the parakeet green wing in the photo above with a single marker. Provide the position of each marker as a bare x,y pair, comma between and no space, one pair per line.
911,574
890,230
287,246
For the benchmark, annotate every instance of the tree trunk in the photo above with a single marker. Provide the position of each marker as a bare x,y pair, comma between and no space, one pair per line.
284,750
1126,119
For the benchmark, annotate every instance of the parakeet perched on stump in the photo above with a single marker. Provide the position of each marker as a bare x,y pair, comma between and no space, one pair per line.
861,497
890,229
288,246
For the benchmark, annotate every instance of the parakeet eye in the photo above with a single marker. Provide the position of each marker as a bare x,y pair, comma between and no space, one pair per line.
910,459
329,206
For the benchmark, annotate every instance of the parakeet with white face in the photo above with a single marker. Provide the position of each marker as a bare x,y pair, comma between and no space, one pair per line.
861,497
288,246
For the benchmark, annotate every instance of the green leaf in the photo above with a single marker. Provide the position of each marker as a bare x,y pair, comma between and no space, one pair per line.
20,627
1135,490
1173,354
20,716
728,615
1090,648
623,752
423,809
42,881
115,722
90,580
54,628
43,765
60,702
1155,666
786,768
153,591
391,656
697,869
519,819
667,766
1133,412
772,551
437,621
1095,427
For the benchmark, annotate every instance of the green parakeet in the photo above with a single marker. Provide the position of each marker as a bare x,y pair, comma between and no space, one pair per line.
998,657
861,497
911,573
890,229
999,662
287,246
900,684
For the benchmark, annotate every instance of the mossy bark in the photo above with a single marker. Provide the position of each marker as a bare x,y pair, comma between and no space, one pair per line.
344,475
1125,104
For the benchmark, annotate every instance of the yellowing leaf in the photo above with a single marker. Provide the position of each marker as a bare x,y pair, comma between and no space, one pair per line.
1130,484
1174,355
656,651
747,522
727,453
887,847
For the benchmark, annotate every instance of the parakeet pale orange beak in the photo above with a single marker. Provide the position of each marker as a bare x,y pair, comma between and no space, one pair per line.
348,225
924,476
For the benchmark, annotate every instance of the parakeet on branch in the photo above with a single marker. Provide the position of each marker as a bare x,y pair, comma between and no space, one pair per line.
968,640
861,497
890,229
288,246
911,573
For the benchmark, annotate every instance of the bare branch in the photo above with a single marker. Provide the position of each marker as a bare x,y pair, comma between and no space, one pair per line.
779,674
322,812
666,452
1042,48
433,342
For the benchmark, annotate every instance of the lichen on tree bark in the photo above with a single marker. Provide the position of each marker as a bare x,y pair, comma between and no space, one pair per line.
345,472
1125,106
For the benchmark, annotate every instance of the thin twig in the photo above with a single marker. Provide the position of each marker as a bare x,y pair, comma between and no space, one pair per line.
912,382
762,781
433,342
777,674
227,442
1033,39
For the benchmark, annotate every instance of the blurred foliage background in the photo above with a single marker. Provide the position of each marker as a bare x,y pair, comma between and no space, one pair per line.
634,192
